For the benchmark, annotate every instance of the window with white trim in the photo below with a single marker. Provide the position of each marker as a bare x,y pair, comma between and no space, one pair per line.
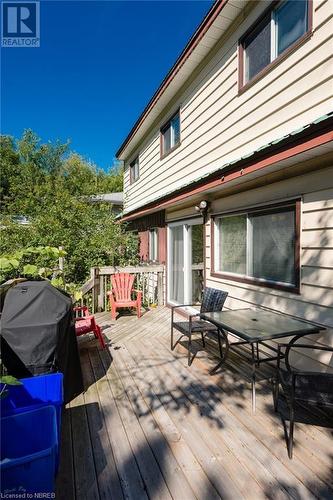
259,245
276,32
134,170
170,134
153,245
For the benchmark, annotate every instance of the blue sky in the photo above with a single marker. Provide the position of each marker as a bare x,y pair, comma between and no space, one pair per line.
98,64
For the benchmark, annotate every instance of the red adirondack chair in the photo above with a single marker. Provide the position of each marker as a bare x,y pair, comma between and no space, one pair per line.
86,323
123,295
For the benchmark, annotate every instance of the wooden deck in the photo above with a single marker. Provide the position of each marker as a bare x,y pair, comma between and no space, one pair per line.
147,426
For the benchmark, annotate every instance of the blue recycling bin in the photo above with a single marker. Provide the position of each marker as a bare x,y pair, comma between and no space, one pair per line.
29,443
35,392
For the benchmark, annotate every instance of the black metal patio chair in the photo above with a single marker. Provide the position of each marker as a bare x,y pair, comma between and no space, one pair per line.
301,386
212,301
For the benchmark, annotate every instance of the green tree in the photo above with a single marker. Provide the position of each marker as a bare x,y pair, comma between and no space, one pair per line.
9,169
51,186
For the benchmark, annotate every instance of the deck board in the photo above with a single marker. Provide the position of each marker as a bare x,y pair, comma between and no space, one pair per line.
149,469
106,471
65,480
193,473
252,433
149,426
261,464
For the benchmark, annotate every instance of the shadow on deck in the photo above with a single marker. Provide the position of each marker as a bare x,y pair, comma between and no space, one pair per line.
148,426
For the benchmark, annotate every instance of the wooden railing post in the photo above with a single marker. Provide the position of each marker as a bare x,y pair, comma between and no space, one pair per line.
95,275
101,293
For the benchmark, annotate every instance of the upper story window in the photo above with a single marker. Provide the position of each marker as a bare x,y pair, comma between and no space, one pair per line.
153,245
134,170
259,245
276,32
170,134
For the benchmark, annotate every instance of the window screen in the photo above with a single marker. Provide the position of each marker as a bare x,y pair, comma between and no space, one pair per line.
273,246
258,50
134,170
232,237
258,245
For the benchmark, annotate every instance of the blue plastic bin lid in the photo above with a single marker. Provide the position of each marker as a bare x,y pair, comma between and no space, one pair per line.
34,391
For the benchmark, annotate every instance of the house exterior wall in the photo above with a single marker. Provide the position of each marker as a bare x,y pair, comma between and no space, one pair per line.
161,245
315,301
219,124
142,225
144,246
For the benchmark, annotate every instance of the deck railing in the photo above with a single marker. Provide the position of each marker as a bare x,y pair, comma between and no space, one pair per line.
150,279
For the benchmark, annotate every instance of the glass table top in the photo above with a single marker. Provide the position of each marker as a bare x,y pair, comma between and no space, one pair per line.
255,325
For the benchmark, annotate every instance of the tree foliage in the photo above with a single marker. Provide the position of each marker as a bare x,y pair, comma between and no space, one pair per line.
51,186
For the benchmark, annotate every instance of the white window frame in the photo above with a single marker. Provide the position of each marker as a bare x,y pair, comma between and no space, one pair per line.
249,247
153,244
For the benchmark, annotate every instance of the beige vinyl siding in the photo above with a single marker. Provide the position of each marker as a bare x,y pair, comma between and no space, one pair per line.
218,125
315,302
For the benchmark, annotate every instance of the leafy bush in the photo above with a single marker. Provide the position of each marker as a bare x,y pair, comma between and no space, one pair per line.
6,380
31,263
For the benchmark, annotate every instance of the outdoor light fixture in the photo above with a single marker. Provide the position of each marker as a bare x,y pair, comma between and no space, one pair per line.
202,208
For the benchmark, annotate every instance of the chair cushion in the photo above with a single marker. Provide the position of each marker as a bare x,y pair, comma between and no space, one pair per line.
197,326
316,388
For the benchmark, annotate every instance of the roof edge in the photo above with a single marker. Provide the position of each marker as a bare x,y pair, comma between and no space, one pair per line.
203,27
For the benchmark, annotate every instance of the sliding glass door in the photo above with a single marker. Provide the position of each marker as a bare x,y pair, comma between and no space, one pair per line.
185,261
176,264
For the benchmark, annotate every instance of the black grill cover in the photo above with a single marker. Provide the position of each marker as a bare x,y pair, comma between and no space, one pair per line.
38,334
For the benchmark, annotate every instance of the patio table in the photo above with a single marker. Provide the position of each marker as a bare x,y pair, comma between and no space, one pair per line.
256,327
